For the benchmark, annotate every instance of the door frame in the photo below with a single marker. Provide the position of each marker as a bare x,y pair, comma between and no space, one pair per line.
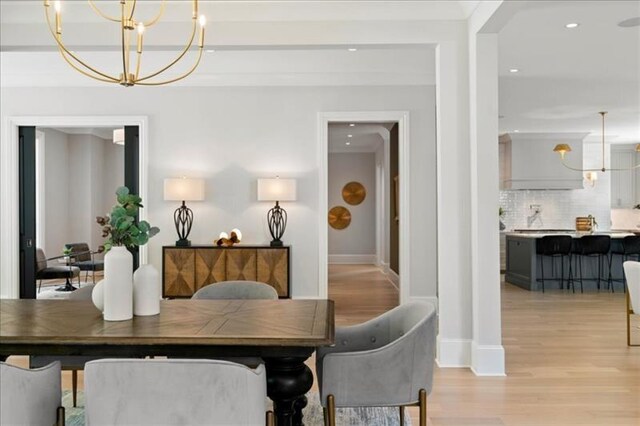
402,118
9,167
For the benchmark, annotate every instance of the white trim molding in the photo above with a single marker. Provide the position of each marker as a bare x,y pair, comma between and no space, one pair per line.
9,202
453,353
487,360
352,259
402,118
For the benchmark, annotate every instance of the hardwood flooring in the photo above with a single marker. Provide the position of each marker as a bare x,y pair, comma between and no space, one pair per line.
567,358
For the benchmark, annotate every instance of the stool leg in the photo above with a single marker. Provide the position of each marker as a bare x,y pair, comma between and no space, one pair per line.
562,272
580,270
542,266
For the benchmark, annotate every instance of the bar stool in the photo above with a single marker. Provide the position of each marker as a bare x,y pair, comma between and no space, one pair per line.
629,248
554,246
594,246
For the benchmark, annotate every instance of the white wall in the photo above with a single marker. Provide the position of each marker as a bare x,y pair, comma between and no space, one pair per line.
232,136
360,237
56,186
113,175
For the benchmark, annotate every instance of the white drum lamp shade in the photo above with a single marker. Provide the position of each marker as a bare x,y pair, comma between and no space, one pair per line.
277,189
183,189
118,136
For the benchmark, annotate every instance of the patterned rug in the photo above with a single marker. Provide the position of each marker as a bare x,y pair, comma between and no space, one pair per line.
387,416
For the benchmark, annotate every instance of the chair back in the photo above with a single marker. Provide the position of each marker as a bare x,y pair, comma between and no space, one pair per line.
551,245
29,397
632,272
595,244
41,260
83,293
236,290
173,392
415,323
80,251
631,244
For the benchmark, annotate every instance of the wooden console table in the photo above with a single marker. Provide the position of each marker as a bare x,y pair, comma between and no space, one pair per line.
185,270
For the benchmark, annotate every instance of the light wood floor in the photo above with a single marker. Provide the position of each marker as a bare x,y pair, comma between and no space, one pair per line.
567,358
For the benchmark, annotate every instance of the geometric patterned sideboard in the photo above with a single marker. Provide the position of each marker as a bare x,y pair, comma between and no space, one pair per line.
185,270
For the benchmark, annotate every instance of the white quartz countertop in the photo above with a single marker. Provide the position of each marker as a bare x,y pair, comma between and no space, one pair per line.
572,234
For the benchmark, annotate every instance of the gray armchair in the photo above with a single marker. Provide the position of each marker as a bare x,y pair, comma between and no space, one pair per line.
46,272
174,392
236,290
387,361
84,259
31,397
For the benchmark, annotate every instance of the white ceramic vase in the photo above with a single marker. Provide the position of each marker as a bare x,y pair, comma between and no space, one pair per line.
146,291
118,285
97,295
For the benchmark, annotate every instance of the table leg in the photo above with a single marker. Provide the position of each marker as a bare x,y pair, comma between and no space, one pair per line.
288,380
66,287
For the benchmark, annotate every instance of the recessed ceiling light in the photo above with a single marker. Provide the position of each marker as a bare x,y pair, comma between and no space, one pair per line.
348,143
572,25
349,136
352,49
210,51
516,131
514,70
352,125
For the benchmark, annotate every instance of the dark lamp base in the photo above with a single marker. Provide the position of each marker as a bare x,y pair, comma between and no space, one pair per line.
183,243
276,243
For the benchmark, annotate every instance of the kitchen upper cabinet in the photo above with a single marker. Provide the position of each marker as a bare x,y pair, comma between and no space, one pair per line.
527,161
625,184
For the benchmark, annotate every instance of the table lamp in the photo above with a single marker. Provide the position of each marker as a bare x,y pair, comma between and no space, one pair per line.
276,189
183,189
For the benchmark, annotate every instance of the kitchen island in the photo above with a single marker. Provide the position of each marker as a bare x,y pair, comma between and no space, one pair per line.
523,265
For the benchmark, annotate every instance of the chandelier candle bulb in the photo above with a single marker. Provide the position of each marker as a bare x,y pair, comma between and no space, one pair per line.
203,22
140,34
195,9
58,7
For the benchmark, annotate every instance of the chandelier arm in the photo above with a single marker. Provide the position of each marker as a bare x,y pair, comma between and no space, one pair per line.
125,73
184,52
81,71
158,16
99,12
63,48
133,9
637,166
187,74
576,169
138,60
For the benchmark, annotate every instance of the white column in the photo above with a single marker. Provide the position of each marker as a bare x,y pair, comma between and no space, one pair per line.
454,266
487,353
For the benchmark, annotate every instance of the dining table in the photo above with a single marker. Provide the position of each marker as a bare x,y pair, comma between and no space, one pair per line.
284,333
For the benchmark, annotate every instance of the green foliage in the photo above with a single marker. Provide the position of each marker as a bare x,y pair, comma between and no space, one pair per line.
120,227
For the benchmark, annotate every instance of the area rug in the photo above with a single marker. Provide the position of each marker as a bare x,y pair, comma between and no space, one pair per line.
387,416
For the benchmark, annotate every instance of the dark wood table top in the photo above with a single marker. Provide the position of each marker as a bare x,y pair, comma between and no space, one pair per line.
273,323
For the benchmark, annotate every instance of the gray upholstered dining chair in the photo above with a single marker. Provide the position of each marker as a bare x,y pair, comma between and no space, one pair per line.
31,397
632,273
236,290
174,392
73,363
387,361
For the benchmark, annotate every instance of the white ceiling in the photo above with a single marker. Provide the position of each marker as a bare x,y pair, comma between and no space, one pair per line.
101,132
365,137
568,75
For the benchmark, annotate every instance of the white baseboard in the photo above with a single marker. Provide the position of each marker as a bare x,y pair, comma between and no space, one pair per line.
453,353
487,360
352,259
425,299
395,278
307,297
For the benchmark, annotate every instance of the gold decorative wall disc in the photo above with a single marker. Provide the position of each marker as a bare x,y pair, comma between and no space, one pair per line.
339,217
354,193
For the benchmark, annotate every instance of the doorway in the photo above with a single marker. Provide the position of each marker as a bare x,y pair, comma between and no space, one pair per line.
19,164
391,187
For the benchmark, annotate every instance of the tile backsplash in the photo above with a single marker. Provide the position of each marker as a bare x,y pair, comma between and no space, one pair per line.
559,208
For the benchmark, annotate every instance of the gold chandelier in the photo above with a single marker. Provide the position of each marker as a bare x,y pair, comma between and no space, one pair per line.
563,148
130,76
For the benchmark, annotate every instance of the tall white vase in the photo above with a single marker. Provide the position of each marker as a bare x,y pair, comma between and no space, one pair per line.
118,285
147,291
